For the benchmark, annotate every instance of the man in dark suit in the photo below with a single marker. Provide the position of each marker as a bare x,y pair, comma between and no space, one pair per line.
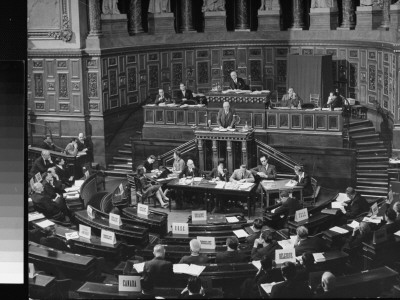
195,257
327,289
62,172
304,180
237,83
289,204
290,288
158,269
356,205
162,97
184,96
306,244
85,146
41,164
257,226
263,171
48,144
225,117
269,245
190,170
231,255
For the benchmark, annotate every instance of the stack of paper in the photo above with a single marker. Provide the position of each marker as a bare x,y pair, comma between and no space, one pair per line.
354,224
197,179
194,270
397,233
339,230
72,189
286,244
240,233
291,183
375,220
342,197
139,267
78,183
319,257
45,223
220,185
35,216
257,264
268,286
232,219
71,196
245,185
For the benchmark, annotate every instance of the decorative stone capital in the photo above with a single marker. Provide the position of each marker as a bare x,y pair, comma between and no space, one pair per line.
65,33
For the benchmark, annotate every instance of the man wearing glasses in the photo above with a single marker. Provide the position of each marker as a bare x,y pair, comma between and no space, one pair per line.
263,172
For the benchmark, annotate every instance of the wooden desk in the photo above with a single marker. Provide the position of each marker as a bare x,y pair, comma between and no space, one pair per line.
380,254
131,234
276,186
207,188
315,223
155,221
42,287
236,100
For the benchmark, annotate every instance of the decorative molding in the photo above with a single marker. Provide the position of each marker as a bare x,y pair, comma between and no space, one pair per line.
64,106
94,106
113,86
65,33
202,54
92,85
177,73
37,63
61,64
153,76
131,59
63,85
202,72
152,57
51,86
38,79
132,81
39,105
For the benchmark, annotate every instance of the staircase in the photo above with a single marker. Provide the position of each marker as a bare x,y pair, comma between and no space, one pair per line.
372,160
122,163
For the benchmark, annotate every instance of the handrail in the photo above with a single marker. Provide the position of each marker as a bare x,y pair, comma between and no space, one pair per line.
177,148
279,156
184,148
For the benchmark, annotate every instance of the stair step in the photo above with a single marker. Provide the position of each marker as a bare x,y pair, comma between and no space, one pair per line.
375,151
372,181
372,136
128,160
372,174
369,144
360,123
374,167
126,152
357,130
371,198
371,192
383,159
127,145
117,173
372,188
120,166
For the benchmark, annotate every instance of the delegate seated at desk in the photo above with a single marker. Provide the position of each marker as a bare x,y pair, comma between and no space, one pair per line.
291,100
225,116
190,170
263,171
241,175
304,180
184,96
162,98
237,83
334,101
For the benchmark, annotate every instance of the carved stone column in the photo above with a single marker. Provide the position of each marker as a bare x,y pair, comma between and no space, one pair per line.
186,16
298,8
201,153
94,18
215,153
244,152
348,14
241,16
135,17
386,15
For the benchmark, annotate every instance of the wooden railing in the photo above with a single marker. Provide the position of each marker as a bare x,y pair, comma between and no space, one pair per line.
166,158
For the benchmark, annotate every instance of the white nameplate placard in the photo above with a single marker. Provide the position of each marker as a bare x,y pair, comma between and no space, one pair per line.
32,270
199,216
115,219
90,212
301,215
180,228
206,242
374,209
121,188
71,235
142,209
85,231
129,283
288,254
108,237
38,177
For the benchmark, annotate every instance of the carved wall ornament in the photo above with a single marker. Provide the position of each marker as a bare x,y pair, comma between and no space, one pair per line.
65,33
63,85
37,64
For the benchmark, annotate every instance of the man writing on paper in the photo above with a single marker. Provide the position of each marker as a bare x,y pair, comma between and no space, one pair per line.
237,83
241,175
304,180
263,171
305,244
225,117
356,205
195,257
158,269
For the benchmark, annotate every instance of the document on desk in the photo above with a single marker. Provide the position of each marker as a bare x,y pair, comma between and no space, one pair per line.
45,223
397,233
375,220
139,267
232,219
245,185
256,263
240,233
319,257
339,230
286,244
194,270
196,179
78,183
342,197
35,216
220,185
267,287
72,189
291,183
354,224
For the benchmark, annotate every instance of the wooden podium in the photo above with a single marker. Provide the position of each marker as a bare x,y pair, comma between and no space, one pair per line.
215,136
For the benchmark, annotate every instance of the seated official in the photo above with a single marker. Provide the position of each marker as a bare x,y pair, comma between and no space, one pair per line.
162,98
237,83
391,225
148,164
158,269
184,96
306,266
53,241
72,147
269,245
225,117
52,186
327,289
241,175
193,290
334,101
220,173
149,189
263,171
250,288
231,255
41,164
62,172
291,100
195,257
190,170
50,208
396,208
256,228
147,285
360,234
290,288
48,144
356,205
179,163
289,205
304,243
304,180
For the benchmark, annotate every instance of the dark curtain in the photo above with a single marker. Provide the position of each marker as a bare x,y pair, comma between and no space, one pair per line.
310,74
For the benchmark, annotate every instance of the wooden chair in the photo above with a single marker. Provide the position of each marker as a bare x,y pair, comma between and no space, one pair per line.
314,99
139,192
309,201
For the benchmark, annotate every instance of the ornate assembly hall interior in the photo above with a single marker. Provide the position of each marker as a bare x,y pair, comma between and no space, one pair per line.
213,149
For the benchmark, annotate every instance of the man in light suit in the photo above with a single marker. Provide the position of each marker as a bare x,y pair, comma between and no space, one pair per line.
162,97
241,175
263,171
184,96
237,83
291,100
225,116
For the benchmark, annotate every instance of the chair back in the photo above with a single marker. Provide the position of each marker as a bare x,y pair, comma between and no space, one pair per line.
138,186
88,189
106,204
314,99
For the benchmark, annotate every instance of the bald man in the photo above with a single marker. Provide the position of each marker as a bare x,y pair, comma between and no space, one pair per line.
225,117
328,286
42,163
195,257
158,269
190,170
237,83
